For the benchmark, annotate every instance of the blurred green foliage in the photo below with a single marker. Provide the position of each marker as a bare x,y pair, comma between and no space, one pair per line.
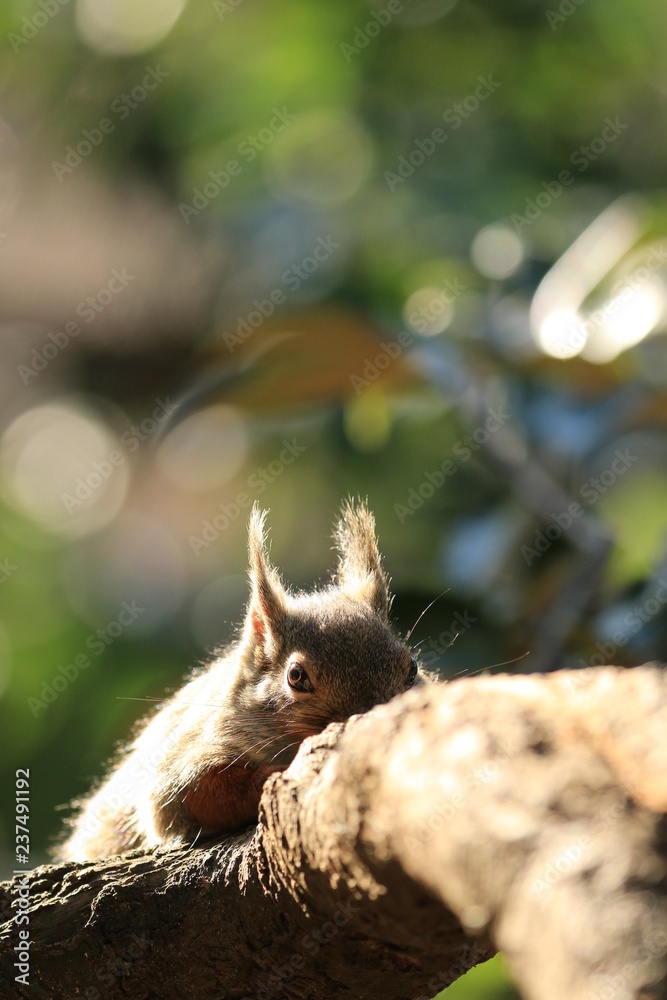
484,981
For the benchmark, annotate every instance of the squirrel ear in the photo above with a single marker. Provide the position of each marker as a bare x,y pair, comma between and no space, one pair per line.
267,601
360,572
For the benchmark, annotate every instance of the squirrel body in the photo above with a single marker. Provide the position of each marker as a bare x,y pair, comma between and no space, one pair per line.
197,766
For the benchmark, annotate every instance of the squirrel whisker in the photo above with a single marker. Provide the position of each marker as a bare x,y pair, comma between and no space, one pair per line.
196,765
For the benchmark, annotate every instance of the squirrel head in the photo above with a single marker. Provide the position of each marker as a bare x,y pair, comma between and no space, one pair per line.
325,655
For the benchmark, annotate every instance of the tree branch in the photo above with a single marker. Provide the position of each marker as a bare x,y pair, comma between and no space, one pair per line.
398,851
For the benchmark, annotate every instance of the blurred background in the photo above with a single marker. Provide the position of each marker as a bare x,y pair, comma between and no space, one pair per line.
412,251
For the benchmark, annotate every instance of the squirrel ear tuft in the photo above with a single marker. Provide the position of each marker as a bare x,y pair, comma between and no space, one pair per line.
360,572
266,610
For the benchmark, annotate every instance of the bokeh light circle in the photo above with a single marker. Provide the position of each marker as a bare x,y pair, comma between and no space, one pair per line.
206,450
125,27
61,466
497,251
322,157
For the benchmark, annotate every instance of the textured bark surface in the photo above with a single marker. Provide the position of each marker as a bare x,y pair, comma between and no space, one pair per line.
520,813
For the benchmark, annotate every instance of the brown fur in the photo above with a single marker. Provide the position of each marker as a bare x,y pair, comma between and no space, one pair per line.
197,766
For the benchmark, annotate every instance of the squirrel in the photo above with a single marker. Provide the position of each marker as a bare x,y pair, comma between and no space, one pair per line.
196,767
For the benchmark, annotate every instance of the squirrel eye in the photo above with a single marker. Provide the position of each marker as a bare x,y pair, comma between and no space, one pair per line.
298,679
412,673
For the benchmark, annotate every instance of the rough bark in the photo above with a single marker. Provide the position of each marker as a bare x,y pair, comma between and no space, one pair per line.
518,813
